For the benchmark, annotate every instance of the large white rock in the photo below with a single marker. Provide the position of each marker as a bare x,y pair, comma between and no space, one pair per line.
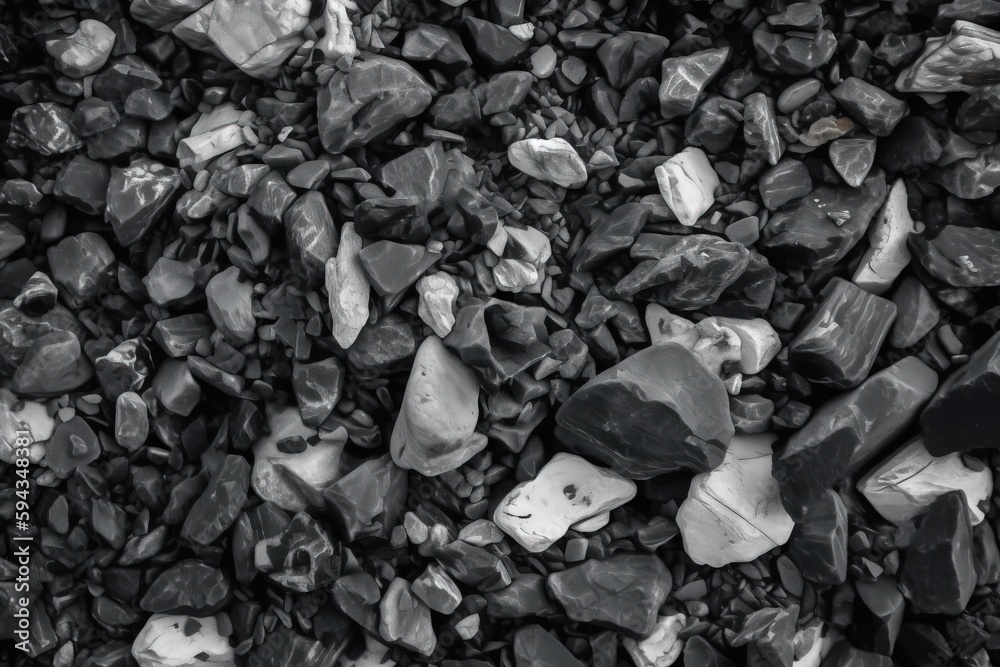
196,151
665,327
887,255
905,484
348,288
182,641
435,429
568,490
660,649
293,481
258,37
734,514
759,343
436,307
687,182
193,31
85,51
339,38
549,160
964,59
716,345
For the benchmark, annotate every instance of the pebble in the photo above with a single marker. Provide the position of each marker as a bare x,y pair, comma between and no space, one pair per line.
257,38
230,305
438,294
878,111
784,182
301,558
687,182
684,80
168,640
853,159
956,61
348,288
85,51
405,620
663,647
888,254
550,160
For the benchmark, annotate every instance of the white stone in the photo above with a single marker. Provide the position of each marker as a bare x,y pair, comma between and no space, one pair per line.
197,151
182,641
593,524
716,345
551,160
887,255
514,275
436,307
193,31
660,649
812,643
435,429
905,484
375,655
687,182
338,41
665,327
85,51
734,514
528,244
293,481
348,288
523,31
759,343
258,37
33,416
568,489
468,627
962,60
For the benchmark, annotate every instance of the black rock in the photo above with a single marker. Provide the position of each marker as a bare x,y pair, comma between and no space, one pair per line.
369,501
392,267
769,635
534,647
94,116
83,183
505,91
311,236
960,256
684,80
124,368
750,295
302,558
318,387
73,444
785,181
914,144
270,199
263,522
285,647
698,651
478,567
82,266
385,346
818,546
611,235
879,617
44,128
393,219
972,177
494,46
357,595
221,503
433,43
628,56
190,587
843,654
53,364
526,596
853,158
714,123
793,54
876,109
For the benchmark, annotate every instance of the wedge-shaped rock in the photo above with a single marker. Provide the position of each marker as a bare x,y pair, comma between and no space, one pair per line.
221,502
963,414
687,182
733,514
369,500
435,429
684,80
138,195
549,160
623,592
660,649
853,158
405,619
769,635
904,485
348,288
657,411
849,430
888,253
302,558
880,615
818,546
876,109
567,490
839,343
962,60
181,641
939,574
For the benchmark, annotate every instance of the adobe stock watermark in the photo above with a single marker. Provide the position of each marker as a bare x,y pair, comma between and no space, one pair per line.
21,555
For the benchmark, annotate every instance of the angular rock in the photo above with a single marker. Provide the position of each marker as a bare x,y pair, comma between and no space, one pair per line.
839,343
437,590
311,235
888,254
960,256
84,184
939,575
849,430
918,313
972,177
853,159
612,235
550,160
260,523
526,596
760,126
131,421
879,617
687,182
318,387
44,128
369,500
843,654
567,490
769,635
181,641
785,181
628,56
221,502
759,343
660,649
189,587
684,80
794,53
73,444
438,293
434,43
734,514
874,108
493,45
230,305
258,37
480,568
302,558
534,647
622,592
657,411
392,267
962,60
435,429
82,266
698,651
405,620
818,546
348,288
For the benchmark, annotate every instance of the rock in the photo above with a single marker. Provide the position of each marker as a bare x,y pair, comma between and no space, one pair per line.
818,546
759,343
718,347
494,46
844,655
812,643
613,234
939,575
181,641
550,160
687,182
663,647
698,651
367,501
879,617
769,635
972,177
159,14
849,430
338,42
82,266
189,587
622,592
43,128
959,61
437,590
807,235
751,413
534,647
230,305
906,483
302,558
628,56
959,417
785,181
478,567
93,116
657,411
526,596
175,388
760,126
874,108
437,44
318,387
435,429
794,53
733,514
291,480
918,313
85,51
714,123
839,343
348,288
392,267
960,256
221,502
888,254
367,103
665,327
73,444
853,159
438,293
284,647
567,490
684,80
84,184
198,150
54,364
258,37
311,235
131,421
405,619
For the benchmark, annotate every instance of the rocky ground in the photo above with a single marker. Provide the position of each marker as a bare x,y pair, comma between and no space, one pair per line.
531,333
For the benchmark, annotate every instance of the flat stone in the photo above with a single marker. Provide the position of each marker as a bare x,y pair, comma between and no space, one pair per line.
258,37
181,641
818,546
405,619
838,344
687,182
853,159
622,592
805,234
939,575
849,430
959,256
660,649
43,128
905,484
874,108
435,429
550,160
436,307
311,236
221,502
535,647
392,267
959,61
302,558
888,253
918,313
959,417
348,288
367,103
657,411
734,514
189,587
230,305
567,490
684,80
